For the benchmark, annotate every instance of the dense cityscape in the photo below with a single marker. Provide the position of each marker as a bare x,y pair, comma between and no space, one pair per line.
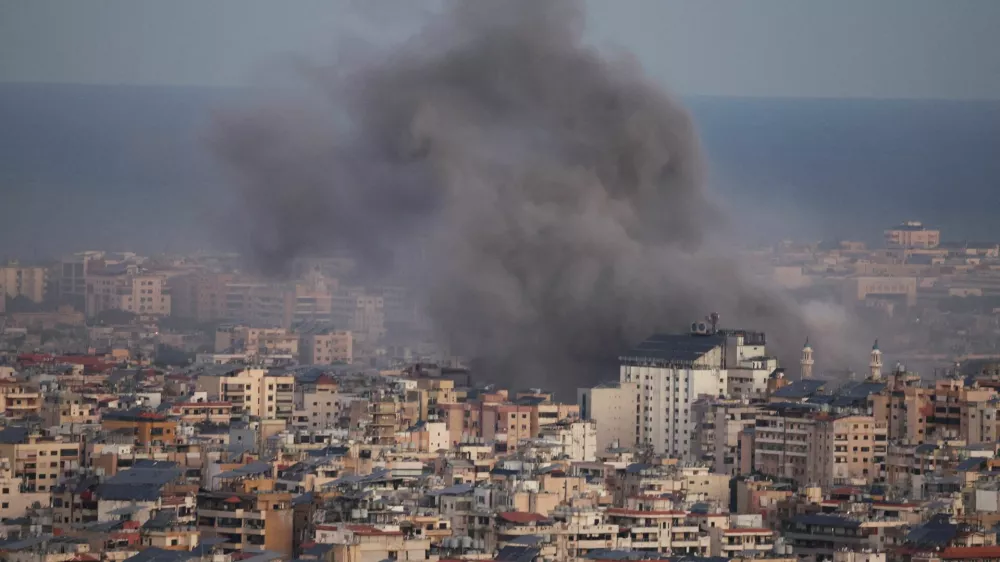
177,408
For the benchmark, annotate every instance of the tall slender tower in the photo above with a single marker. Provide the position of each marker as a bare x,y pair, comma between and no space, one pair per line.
876,363
806,363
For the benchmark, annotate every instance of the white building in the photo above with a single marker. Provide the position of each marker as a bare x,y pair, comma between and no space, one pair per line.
673,371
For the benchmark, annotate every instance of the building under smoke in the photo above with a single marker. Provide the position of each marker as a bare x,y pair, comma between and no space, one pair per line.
557,194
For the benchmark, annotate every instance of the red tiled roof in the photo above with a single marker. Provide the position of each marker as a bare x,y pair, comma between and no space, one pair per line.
521,518
970,552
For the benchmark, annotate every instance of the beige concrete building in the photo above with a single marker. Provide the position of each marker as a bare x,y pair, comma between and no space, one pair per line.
615,408
126,288
252,392
200,296
260,304
365,543
857,289
326,347
849,450
19,399
15,497
24,281
363,314
41,462
720,423
256,341
912,234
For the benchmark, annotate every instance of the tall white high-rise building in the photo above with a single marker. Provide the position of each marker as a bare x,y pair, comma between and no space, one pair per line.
675,370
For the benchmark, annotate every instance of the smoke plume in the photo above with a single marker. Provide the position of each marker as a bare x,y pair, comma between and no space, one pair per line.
557,194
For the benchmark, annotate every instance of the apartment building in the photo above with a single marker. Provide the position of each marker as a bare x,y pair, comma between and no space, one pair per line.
126,287
67,407
247,520
720,424
319,405
367,542
259,304
253,392
15,497
673,371
200,296
41,461
256,341
431,392
849,450
189,413
24,281
912,234
615,408
781,440
326,347
19,399
359,312
72,277
150,429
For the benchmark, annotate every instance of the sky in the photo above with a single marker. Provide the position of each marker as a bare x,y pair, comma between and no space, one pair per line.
923,49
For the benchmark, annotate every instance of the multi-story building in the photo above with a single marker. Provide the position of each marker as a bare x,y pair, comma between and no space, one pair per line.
24,281
19,399
674,371
615,408
72,277
326,347
266,305
200,296
720,424
247,520
16,496
128,288
253,392
781,440
150,429
849,450
67,407
359,312
256,341
42,462
912,234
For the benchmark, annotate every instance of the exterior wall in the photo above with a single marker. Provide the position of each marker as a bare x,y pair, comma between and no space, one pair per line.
858,288
24,281
327,349
614,408
141,294
666,397
912,235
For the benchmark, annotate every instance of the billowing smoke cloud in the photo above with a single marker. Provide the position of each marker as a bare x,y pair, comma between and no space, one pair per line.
557,194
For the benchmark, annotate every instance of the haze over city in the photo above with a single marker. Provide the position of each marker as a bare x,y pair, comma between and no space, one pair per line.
519,280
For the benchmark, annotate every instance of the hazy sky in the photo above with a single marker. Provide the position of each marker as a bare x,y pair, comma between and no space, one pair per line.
859,48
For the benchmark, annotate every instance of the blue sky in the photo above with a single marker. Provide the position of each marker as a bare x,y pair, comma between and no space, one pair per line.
799,48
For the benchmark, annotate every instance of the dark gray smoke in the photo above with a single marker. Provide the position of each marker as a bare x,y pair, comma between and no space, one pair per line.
558,194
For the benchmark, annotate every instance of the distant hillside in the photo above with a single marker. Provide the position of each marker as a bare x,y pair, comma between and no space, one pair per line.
86,166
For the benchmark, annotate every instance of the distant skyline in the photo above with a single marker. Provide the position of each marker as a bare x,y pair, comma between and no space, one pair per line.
765,48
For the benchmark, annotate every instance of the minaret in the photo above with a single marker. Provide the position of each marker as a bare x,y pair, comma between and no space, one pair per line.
806,363
876,363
